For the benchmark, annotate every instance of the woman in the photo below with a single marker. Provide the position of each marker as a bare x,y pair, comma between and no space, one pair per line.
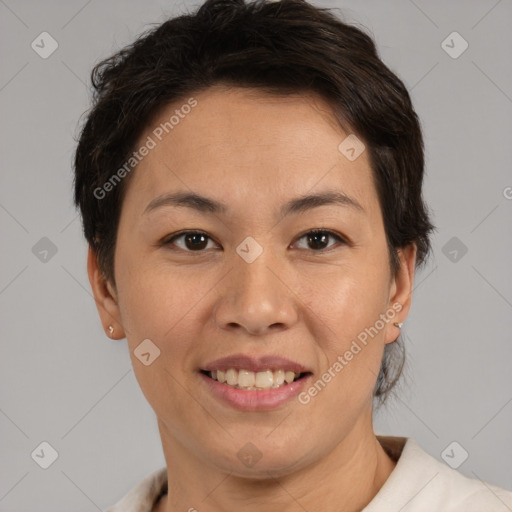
250,183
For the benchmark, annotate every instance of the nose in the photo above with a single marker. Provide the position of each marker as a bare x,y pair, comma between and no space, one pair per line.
255,298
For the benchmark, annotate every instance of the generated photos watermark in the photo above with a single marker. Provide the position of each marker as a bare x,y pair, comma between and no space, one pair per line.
150,143
343,360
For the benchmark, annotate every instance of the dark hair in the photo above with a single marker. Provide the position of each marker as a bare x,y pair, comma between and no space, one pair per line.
282,48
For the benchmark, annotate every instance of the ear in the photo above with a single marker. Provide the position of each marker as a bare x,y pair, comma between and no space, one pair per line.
400,294
105,297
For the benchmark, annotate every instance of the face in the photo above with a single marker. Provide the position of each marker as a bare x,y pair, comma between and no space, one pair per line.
250,282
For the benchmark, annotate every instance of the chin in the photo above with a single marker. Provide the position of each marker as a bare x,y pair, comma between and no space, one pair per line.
252,463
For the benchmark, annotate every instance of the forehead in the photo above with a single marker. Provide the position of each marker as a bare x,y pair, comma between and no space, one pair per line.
236,143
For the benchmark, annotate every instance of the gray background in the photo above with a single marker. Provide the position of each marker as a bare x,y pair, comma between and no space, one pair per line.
63,381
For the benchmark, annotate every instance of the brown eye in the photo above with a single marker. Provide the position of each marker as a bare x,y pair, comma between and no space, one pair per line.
196,241
318,239
191,241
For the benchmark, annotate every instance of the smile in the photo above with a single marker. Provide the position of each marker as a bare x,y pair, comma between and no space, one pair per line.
253,381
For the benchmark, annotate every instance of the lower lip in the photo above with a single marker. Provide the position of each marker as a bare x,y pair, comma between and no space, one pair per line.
251,400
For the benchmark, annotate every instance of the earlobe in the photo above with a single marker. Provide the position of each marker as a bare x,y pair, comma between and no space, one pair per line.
401,290
105,298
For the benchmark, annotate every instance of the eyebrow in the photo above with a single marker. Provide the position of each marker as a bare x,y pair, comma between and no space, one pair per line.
297,205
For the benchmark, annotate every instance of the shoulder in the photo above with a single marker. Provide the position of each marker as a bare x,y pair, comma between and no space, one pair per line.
144,495
421,483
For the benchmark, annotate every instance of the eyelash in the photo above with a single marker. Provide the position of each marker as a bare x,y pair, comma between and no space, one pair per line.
170,240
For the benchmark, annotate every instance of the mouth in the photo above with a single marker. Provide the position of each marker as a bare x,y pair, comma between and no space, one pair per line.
255,381
254,384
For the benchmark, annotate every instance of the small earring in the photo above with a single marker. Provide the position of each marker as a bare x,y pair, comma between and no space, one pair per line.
110,331
399,325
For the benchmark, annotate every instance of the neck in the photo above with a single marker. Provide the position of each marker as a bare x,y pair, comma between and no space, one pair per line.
345,479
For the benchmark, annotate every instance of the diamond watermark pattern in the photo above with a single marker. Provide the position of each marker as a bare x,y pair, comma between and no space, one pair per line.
351,147
44,250
146,352
454,249
44,45
249,455
454,45
45,455
249,249
454,455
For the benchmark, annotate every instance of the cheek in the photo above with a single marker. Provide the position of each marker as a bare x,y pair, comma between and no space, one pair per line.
157,302
347,306
163,307
348,299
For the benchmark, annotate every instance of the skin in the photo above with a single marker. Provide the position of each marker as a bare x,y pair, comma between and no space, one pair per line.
255,152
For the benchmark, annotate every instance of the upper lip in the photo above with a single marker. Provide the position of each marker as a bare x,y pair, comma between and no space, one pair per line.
260,364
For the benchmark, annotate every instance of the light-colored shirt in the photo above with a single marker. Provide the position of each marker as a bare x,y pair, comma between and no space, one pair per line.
418,483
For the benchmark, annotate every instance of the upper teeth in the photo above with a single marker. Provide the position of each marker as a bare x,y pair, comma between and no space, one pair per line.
250,380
